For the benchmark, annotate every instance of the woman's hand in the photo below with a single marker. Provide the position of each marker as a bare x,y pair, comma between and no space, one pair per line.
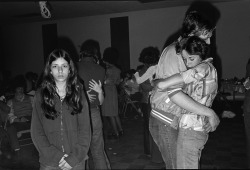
63,164
93,85
91,97
212,123
207,127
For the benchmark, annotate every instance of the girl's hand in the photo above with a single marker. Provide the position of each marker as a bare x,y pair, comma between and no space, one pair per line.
63,164
91,96
93,85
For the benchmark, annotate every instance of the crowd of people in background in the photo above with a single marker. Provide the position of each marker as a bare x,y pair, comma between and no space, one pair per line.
72,103
74,107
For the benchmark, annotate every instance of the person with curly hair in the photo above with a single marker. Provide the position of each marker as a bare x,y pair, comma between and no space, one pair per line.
149,56
60,126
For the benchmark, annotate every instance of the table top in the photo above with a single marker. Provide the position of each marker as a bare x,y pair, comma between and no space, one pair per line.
233,91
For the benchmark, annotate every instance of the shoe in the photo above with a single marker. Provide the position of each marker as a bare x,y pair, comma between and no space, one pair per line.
121,132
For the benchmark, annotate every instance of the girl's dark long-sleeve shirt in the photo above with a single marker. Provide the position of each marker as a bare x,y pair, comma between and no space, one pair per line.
66,134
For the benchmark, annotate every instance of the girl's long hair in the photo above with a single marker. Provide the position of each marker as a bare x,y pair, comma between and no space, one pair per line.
48,86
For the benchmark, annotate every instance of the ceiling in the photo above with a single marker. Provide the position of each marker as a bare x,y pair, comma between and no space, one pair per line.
29,11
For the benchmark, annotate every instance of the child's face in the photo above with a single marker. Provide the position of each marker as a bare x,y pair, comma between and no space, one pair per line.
190,60
60,70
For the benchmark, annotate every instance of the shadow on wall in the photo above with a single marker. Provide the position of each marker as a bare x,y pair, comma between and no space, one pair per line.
67,44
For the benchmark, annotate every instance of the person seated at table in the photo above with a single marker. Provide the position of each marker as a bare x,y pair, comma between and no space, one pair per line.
20,112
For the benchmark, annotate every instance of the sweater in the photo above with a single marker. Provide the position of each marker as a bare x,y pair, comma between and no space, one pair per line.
66,134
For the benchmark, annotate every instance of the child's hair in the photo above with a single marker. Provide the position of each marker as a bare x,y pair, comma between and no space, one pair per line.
111,55
48,86
194,46
149,55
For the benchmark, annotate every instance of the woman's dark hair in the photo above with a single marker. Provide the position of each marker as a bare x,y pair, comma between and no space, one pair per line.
90,48
194,23
48,86
194,46
32,77
19,81
149,55
111,55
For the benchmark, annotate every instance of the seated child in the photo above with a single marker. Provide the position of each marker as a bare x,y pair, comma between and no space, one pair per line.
20,112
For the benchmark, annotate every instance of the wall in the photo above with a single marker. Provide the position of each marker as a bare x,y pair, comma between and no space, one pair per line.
23,43
233,38
22,48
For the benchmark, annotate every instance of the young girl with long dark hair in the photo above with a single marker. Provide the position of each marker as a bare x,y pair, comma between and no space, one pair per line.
60,126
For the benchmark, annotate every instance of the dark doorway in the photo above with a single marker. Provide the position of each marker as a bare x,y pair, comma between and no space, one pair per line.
120,40
49,39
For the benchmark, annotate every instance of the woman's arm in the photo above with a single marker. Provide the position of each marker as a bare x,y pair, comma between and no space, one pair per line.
187,103
148,74
170,81
191,75
80,150
39,137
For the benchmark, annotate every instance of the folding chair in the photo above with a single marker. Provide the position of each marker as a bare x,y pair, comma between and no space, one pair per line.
23,136
128,101
3,135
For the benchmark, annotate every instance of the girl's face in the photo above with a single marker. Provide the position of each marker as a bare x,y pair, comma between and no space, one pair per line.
19,93
60,70
190,60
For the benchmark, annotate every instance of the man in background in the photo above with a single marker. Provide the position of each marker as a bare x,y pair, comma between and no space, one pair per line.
89,70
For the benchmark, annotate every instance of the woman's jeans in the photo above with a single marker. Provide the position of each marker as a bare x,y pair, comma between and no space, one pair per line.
80,166
166,139
189,146
99,157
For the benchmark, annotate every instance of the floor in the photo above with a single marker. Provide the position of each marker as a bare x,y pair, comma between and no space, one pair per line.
225,148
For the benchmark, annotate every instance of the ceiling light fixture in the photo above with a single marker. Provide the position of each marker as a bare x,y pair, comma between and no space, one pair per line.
45,9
